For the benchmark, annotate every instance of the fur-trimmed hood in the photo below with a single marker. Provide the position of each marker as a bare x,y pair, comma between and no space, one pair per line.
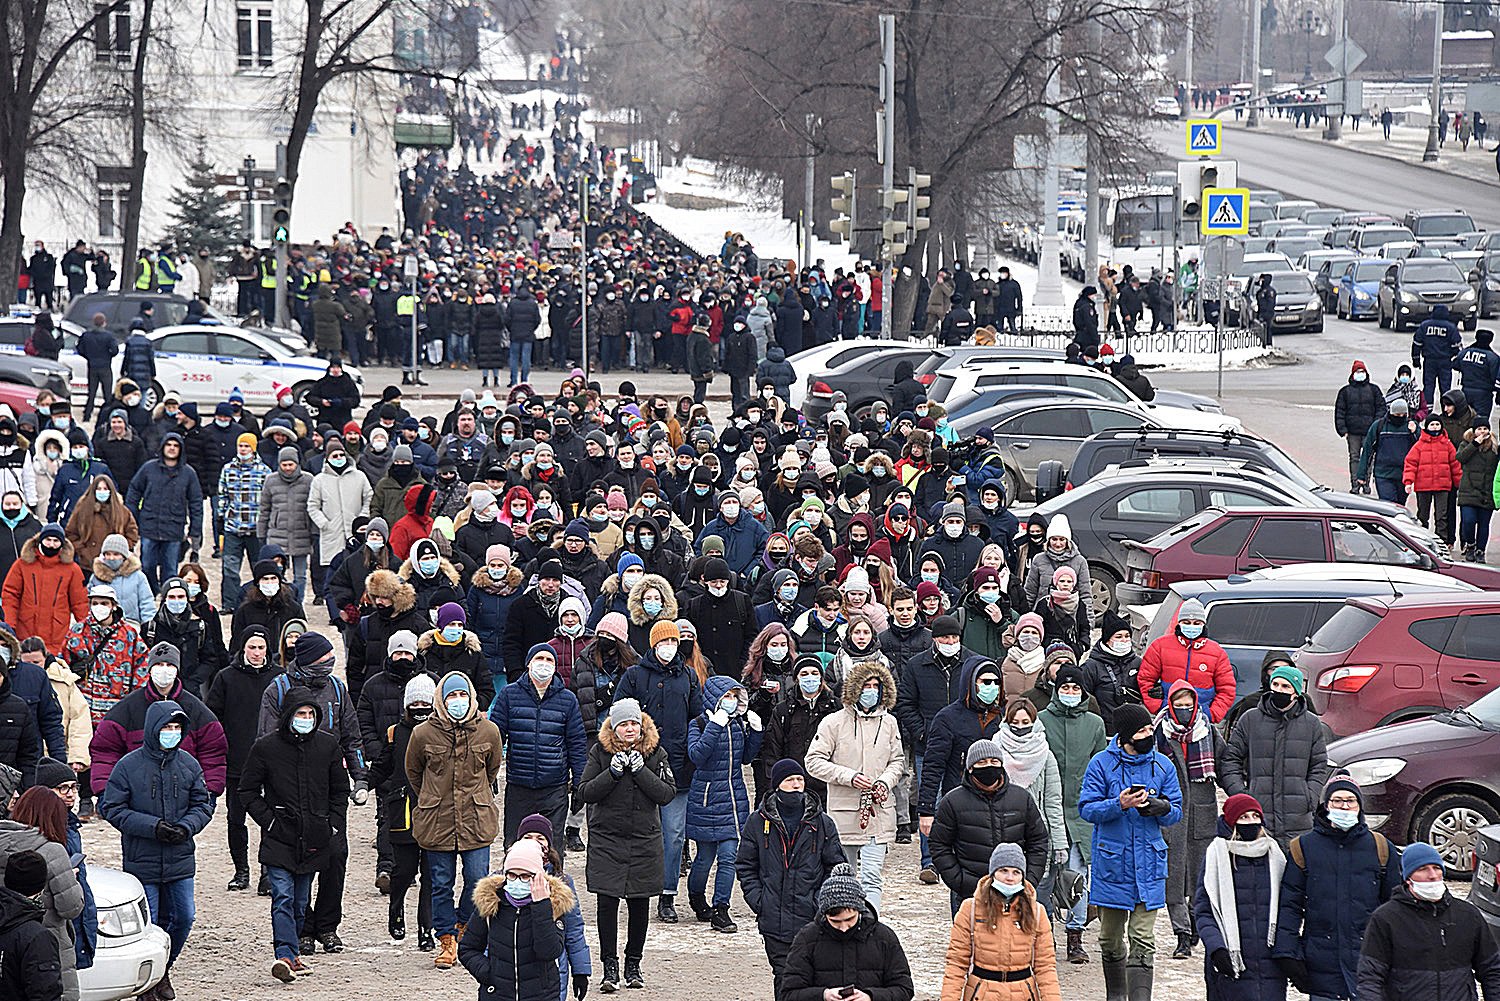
489,891
54,436
107,576
29,554
445,569
386,584
429,639
650,737
862,672
510,585
668,599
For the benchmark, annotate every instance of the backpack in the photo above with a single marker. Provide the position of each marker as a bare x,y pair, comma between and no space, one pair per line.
1382,850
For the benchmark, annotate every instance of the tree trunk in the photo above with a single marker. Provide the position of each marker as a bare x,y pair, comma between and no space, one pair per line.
11,236
136,195
904,298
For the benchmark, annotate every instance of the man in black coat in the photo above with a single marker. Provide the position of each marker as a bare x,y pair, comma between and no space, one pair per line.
1007,303
335,395
986,810
725,619
1086,319
29,965
958,326
787,849
846,946
1359,405
20,740
532,618
234,696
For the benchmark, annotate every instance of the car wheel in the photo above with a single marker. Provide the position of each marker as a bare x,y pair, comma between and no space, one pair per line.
1015,484
1316,328
153,394
1449,824
1397,324
1338,310
299,395
1102,583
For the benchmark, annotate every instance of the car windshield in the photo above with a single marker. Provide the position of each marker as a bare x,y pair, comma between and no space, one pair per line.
1348,626
1370,272
1486,709
1291,281
1374,236
1444,225
1428,270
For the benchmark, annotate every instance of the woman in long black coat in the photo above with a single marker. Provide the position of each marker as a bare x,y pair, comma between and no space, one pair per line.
1245,857
625,796
489,340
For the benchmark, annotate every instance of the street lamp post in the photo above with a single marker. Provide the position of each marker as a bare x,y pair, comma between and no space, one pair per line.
249,165
1435,99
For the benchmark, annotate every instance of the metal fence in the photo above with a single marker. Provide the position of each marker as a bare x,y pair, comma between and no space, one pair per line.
1056,333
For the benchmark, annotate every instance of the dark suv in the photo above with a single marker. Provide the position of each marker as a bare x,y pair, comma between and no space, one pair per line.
1413,287
1429,224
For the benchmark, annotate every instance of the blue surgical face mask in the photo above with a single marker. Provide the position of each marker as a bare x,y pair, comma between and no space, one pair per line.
868,697
506,438
651,606
457,708
1343,819
700,489
810,683
930,576
1190,630
647,542
376,545
988,692
453,632
729,706
544,464
102,496
303,726
789,593
518,889
176,605
1071,701
1006,889
170,739
989,597
428,565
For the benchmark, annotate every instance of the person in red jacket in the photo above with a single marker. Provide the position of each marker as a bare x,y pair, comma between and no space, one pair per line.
417,522
1432,470
44,588
1185,654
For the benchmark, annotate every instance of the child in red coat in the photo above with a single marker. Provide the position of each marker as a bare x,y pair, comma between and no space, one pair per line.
1432,470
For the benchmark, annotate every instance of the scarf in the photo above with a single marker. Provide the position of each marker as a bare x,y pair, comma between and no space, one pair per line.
1020,669
1024,757
1196,741
1218,884
1066,600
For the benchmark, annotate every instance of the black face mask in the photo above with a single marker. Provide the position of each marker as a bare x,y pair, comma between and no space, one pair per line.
402,667
448,477
1143,745
51,548
1247,832
415,716
858,546
987,775
1282,700
790,804
1182,714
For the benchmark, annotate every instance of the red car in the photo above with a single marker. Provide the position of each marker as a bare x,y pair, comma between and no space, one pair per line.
1387,660
1219,542
21,399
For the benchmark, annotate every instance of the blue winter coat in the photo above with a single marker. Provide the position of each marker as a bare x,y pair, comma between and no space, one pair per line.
1322,917
953,729
743,541
671,696
31,683
718,802
1260,980
166,498
151,784
139,363
133,592
1129,852
74,479
544,735
488,613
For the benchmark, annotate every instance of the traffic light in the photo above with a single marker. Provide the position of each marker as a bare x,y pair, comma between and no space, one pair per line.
281,215
1195,175
917,203
893,231
845,203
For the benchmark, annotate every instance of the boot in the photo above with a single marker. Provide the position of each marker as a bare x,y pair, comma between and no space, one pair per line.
1076,953
241,880
383,882
447,952
263,888
164,987
424,940
719,917
1114,981
633,978
611,981
666,910
575,841
700,907
1139,979
1184,948
397,927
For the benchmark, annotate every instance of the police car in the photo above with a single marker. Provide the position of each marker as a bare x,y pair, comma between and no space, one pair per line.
204,364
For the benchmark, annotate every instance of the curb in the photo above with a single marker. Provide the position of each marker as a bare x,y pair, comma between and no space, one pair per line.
1437,168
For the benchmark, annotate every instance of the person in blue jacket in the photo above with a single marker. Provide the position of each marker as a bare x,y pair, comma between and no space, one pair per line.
158,801
669,692
744,537
1129,794
546,745
615,593
495,588
722,739
1337,874
75,477
575,965
1435,349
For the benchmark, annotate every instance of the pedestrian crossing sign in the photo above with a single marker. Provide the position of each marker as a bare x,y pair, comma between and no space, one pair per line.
1203,137
1226,212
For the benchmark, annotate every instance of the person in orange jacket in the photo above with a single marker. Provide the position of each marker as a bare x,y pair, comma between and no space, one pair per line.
1432,470
1185,654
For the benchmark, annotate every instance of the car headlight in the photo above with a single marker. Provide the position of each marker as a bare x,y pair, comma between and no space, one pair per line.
1466,294
1493,284
1409,297
121,920
1360,293
1375,770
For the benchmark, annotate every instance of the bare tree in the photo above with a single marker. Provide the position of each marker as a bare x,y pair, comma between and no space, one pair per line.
136,193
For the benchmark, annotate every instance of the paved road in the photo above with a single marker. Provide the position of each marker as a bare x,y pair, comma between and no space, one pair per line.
1339,177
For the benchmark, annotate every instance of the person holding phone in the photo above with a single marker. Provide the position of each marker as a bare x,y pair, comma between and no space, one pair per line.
1130,793
846,942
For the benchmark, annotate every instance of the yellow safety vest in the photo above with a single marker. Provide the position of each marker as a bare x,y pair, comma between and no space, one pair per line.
143,276
268,272
406,305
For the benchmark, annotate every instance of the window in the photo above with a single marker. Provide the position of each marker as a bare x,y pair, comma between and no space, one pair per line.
191,344
1167,505
1218,497
1478,639
111,35
112,191
14,333
1053,422
1433,633
1283,624
236,347
1103,388
1226,540
1113,420
1369,542
1348,626
1287,539
253,28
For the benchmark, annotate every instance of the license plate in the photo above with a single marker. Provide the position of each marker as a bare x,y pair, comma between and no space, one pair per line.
1484,873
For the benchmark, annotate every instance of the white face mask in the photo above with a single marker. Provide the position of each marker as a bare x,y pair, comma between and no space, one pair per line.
101,611
718,590
949,649
666,651
163,676
269,588
953,529
542,672
1429,891
1119,647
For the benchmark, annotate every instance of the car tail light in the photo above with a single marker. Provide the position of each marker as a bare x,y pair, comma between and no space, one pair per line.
1147,578
926,378
1067,486
820,388
1347,679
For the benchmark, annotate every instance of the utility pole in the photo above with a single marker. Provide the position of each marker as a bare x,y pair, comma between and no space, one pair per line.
1094,161
887,157
583,269
1332,130
1049,290
1435,99
1253,118
281,228
1187,69
807,196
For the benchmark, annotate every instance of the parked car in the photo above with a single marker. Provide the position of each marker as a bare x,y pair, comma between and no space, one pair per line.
1367,239
1166,107
1430,223
1435,780
1385,660
965,355
976,400
821,357
1483,892
1358,290
1221,541
132,952
862,375
1299,309
1411,288
20,368
119,308
1484,278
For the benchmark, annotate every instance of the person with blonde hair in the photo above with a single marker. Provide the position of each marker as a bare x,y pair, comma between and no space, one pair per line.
1000,947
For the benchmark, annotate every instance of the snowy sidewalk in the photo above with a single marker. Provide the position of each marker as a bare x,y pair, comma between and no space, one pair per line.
1407,143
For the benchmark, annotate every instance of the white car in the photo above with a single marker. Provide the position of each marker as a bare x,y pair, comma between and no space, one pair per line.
204,364
1166,107
827,357
132,952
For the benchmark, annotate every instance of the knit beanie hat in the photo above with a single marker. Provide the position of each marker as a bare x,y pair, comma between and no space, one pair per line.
165,653
785,769
51,773
1130,719
421,688
311,647
534,824
1342,783
1413,857
401,641
841,890
1031,620
614,624
1068,674
981,749
1291,675
624,710
115,543
455,683
1238,805
451,612
525,856
26,873
945,625
664,630
246,439
1007,855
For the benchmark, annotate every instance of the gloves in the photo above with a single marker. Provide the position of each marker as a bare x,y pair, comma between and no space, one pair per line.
170,834
361,793
719,716
1222,963
619,763
1295,970
1060,856
575,800
350,615
753,719
580,985
636,760
1156,806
